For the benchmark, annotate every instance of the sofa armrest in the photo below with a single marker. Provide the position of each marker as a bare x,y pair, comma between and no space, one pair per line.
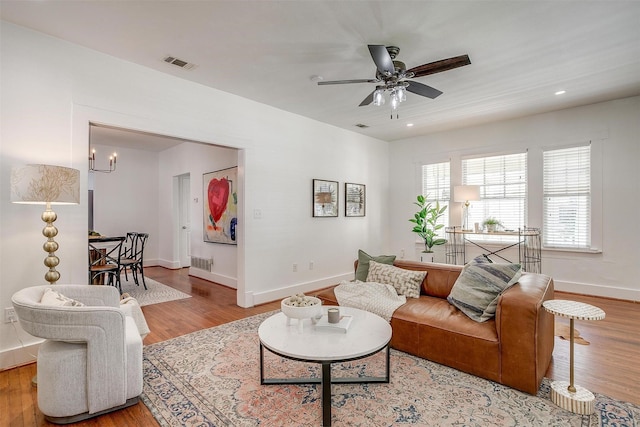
525,331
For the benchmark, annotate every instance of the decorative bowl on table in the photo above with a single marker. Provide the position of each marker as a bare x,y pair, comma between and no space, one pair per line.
301,307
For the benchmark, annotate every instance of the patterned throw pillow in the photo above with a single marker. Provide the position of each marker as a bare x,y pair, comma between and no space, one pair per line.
363,263
479,286
406,282
56,299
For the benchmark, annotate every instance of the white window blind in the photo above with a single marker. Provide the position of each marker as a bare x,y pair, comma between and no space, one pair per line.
567,198
436,186
503,188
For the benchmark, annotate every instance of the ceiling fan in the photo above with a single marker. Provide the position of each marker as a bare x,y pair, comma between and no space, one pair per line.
392,76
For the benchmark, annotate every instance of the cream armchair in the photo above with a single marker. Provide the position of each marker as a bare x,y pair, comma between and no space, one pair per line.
91,361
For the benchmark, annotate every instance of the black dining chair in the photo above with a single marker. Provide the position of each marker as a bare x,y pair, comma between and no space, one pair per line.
133,257
105,261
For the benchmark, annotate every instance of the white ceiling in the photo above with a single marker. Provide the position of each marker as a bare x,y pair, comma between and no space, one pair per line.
522,52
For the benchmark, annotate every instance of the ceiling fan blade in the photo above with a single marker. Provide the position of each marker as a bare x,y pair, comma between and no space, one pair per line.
343,82
368,100
422,89
381,57
440,66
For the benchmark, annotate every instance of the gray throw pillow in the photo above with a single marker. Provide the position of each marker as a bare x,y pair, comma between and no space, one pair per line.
406,282
362,270
477,289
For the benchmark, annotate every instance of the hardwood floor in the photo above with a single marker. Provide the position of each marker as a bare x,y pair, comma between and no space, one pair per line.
609,365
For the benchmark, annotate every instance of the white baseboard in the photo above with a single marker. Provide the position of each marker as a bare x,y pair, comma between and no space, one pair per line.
18,356
231,282
598,290
276,294
172,265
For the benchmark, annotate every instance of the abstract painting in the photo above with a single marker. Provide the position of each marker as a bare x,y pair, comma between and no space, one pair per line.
220,205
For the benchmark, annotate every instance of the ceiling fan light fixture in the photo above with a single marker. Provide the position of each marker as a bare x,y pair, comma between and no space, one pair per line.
378,97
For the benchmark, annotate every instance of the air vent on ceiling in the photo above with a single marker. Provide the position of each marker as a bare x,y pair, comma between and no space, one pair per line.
360,125
179,62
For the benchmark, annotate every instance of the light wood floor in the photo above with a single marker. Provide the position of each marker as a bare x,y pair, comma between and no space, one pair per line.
609,365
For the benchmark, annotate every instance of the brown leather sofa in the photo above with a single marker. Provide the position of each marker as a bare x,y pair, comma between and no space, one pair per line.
513,349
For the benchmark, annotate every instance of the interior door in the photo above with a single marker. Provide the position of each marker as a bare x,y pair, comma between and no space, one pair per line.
184,188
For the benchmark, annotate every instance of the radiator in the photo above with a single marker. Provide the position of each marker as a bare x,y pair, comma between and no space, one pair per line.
201,263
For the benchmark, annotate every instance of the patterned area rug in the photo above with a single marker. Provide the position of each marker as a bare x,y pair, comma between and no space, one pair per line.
155,293
211,378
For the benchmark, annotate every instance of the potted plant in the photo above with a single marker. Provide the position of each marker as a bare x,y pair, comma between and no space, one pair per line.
491,224
425,221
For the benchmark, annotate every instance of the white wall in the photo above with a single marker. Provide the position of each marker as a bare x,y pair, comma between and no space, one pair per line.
613,127
52,89
127,199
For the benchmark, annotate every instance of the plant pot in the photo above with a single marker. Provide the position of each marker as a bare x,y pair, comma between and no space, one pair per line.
491,228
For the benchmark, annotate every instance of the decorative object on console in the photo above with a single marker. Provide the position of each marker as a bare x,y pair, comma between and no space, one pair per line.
491,224
354,199
362,270
220,206
426,222
325,198
465,194
47,185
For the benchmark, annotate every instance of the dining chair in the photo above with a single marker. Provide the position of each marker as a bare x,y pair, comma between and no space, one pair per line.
105,257
133,257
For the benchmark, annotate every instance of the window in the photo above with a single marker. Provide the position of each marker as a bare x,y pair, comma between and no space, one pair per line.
503,188
436,186
567,198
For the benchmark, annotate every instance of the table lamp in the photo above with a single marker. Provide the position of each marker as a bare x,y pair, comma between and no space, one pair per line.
466,194
46,185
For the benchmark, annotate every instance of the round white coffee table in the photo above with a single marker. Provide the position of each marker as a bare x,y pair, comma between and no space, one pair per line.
567,395
367,335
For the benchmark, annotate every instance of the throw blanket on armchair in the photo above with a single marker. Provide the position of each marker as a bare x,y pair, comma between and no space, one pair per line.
377,298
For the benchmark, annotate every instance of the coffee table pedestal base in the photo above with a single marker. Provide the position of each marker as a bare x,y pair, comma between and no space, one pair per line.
582,401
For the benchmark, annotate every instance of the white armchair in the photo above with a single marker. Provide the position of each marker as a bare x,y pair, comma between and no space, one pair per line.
91,361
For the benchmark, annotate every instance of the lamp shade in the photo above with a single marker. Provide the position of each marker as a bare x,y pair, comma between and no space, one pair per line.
45,184
464,193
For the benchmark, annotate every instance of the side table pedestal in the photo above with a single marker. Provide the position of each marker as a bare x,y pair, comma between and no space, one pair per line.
568,395
582,401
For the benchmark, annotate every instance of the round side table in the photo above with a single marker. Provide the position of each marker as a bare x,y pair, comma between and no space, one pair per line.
567,395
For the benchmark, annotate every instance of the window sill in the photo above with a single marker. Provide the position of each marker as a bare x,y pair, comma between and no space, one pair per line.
573,250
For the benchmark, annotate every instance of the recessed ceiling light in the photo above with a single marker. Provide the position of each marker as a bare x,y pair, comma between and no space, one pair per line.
409,125
561,92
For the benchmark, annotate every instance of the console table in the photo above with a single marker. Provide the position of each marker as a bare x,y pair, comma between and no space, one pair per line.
567,395
527,242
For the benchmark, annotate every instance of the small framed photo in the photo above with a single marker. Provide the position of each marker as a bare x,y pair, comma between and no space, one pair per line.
354,199
325,198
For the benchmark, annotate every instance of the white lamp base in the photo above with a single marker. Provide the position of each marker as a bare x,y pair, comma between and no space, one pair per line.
582,401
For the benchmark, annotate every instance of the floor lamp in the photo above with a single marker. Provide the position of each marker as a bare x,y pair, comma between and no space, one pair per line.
466,194
46,185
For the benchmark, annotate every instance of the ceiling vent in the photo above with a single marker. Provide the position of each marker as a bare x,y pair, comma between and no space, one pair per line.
360,125
179,62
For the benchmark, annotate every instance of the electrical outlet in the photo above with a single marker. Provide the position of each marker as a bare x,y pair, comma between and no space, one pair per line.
10,315
295,268
310,265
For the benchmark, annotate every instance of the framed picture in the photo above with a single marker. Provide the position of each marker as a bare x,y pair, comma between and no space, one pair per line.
325,198
354,199
220,198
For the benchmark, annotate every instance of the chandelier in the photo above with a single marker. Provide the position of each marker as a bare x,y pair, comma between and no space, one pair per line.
112,163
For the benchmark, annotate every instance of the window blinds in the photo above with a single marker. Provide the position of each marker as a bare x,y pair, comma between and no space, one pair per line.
503,188
567,197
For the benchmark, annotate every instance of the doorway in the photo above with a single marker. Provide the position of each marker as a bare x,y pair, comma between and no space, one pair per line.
184,219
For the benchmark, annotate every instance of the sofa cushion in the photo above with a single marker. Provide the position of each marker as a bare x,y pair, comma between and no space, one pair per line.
479,286
363,263
406,282
54,298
